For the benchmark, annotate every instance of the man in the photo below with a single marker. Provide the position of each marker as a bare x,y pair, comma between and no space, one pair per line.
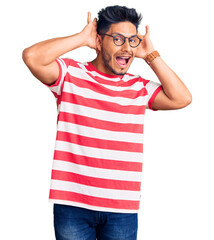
97,166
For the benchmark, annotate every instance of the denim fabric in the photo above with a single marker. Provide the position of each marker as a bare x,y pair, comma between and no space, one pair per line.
74,223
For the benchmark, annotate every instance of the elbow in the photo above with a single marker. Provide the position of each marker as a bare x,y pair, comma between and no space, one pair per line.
27,56
187,100
181,102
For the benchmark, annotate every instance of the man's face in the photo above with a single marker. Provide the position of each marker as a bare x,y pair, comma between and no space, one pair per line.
117,59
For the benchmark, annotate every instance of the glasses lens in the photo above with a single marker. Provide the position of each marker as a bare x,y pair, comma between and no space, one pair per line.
134,41
119,40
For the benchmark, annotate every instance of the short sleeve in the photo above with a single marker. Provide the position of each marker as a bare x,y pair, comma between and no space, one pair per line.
153,88
56,87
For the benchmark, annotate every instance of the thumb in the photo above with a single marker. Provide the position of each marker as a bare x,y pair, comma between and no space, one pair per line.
95,20
147,31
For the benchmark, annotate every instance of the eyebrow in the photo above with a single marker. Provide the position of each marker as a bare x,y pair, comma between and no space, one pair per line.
115,33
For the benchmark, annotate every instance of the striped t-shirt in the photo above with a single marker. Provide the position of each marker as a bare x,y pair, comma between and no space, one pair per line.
99,142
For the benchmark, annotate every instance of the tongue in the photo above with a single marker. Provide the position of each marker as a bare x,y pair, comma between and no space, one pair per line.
121,61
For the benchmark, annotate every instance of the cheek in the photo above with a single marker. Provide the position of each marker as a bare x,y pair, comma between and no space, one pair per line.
110,49
106,56
135,51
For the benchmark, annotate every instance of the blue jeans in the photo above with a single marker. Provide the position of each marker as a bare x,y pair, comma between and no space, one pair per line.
74,223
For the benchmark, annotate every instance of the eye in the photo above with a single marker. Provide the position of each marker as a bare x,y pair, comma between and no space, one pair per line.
133,40
118,39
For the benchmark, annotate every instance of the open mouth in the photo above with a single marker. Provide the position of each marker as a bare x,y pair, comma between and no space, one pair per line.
123,60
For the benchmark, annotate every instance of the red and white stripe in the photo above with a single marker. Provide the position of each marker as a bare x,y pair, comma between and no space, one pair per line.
99,144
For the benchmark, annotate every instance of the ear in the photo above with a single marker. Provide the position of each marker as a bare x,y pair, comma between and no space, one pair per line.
99,43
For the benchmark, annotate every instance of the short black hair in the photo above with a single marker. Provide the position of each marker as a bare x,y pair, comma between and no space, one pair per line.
116,14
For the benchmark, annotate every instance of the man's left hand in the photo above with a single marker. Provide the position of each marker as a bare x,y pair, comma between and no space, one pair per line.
146,46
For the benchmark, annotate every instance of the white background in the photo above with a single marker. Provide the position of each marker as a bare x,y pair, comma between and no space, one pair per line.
177,191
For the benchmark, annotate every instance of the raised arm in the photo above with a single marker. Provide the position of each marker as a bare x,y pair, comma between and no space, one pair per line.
41,57
174,94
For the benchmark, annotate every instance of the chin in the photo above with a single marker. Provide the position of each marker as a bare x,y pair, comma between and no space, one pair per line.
118,70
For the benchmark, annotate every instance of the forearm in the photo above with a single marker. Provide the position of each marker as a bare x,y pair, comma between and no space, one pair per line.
172,85
44,53
41,57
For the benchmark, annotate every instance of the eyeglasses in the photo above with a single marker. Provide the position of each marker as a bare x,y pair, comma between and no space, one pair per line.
119,40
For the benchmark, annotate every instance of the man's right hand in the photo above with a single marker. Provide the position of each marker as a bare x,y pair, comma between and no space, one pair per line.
41,57
89,33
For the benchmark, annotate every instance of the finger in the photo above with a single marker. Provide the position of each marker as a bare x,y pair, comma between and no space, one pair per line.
89,17
147,31
95,21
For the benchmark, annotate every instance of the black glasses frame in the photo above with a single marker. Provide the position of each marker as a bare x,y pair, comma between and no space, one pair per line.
129,38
